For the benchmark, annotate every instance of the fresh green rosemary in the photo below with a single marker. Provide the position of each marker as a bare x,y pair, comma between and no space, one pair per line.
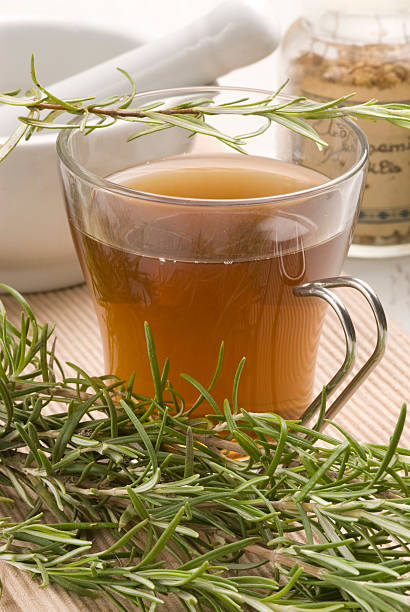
184,500
191,116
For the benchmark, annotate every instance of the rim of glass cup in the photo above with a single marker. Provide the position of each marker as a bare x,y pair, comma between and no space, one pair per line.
98,181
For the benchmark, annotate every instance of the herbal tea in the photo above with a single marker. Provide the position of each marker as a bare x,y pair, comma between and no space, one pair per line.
201,273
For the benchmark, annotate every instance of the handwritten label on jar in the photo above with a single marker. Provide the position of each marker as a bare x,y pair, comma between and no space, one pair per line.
385,210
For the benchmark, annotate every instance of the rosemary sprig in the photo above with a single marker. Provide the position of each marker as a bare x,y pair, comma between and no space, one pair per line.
192,116
330,520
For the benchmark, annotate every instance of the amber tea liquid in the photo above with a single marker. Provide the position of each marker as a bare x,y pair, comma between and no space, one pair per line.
201,274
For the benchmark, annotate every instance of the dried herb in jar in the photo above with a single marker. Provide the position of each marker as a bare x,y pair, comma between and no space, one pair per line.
369,55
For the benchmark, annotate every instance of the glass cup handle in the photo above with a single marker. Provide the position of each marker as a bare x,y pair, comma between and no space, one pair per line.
322,289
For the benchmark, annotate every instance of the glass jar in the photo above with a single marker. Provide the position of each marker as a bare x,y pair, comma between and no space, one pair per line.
361,47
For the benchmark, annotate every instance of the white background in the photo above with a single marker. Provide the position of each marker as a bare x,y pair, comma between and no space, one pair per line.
150,16
153,18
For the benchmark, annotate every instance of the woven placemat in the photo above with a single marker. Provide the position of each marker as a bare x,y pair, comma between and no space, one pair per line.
370,414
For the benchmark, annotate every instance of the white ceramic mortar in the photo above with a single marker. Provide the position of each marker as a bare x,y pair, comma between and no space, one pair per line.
36,250
35,247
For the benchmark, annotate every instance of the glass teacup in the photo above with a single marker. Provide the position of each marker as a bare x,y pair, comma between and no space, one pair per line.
210,245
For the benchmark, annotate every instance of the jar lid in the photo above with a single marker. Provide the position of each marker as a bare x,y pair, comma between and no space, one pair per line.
358,7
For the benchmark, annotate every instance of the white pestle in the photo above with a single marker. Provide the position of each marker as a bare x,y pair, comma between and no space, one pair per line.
234,34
